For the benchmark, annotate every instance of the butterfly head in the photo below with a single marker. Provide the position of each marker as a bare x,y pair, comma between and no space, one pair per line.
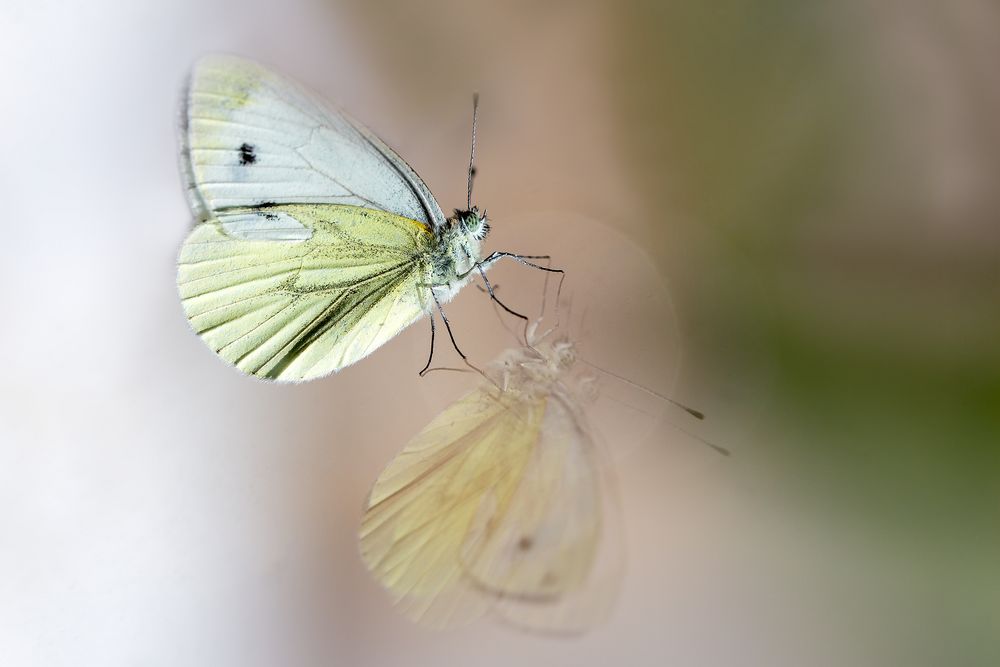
542,369
562,355
473,222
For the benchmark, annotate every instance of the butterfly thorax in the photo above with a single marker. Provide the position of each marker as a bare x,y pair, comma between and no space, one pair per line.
545,369
457,249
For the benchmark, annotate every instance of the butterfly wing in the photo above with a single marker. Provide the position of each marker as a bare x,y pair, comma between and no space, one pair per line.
314,236
493,506
553,561
424,508
295,292
250,137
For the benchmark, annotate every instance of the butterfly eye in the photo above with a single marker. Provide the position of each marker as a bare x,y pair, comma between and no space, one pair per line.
588,388
473,223
563,354
484,229
477,224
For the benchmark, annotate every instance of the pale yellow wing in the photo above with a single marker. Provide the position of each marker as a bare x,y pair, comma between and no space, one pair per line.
554,560
435,500
495,505
293,292
532,550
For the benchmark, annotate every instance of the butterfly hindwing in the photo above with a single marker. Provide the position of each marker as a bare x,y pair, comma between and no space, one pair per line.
540,547
424,506
295,292
554,561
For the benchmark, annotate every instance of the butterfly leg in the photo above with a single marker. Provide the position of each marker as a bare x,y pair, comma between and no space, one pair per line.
523,259
489,289
431,355
447,325
454,343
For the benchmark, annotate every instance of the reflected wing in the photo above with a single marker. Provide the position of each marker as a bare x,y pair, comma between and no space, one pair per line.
425,505
494,505
551,561
298,291
532,550
250,137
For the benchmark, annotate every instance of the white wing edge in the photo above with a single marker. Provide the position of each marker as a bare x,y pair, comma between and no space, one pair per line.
195,201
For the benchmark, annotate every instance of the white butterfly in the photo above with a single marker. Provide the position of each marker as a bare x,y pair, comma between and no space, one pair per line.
501,504
315,243
505,503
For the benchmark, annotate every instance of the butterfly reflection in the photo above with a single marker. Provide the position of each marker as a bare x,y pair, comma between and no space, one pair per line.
501,504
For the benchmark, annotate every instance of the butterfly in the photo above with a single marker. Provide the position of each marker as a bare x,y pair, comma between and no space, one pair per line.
500,504
314,243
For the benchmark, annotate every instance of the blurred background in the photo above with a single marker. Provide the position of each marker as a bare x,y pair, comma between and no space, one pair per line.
783,213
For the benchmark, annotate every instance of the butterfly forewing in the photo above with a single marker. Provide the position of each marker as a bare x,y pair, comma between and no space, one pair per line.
251,137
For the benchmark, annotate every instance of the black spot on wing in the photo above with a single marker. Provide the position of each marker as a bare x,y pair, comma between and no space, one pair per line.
247,155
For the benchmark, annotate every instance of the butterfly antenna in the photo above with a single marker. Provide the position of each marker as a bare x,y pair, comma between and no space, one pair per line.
716,448
472,154
691,411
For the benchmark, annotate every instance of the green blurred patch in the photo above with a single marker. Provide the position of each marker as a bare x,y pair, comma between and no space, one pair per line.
765,125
